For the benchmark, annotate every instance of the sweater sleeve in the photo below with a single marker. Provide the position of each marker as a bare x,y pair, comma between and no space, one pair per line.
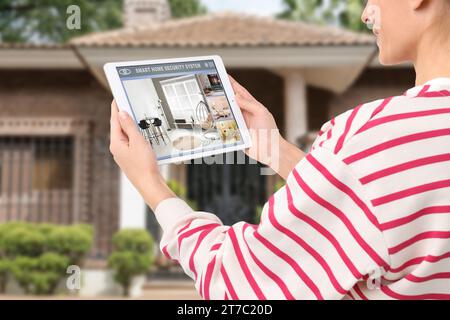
317,238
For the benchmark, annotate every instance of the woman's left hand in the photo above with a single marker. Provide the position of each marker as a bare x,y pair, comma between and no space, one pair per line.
136,158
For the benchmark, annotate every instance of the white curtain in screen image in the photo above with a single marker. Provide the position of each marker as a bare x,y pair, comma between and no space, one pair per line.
183,94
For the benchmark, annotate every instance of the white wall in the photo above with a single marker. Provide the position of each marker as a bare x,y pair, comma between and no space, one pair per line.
101,282
143,97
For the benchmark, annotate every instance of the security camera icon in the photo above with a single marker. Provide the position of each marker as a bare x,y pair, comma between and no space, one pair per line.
124,72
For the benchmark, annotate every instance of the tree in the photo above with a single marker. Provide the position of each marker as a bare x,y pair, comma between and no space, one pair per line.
346,14
186,8
45,20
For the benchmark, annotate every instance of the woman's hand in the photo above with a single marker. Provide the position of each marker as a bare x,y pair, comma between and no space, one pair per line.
136,158
263,128
268,147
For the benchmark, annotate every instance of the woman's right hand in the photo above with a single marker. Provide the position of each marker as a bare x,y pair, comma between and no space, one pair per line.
268,145
259,121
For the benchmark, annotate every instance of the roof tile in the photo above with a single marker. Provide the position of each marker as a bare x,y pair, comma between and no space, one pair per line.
224,30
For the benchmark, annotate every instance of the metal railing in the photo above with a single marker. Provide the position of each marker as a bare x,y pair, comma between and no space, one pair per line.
36,179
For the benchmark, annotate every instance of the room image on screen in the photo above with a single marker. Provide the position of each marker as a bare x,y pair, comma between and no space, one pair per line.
180,108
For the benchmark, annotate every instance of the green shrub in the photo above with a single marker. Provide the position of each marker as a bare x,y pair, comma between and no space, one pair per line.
177,188
280,184
37,255
181,192
132,256
71,241
258,213
135,240
4,274
259,209
23,240
39,275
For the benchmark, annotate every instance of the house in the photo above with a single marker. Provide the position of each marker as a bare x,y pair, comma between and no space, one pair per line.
55,165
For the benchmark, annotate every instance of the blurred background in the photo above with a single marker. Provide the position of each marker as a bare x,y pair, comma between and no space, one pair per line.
64,202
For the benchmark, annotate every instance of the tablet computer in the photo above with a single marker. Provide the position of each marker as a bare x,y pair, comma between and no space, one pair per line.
185,108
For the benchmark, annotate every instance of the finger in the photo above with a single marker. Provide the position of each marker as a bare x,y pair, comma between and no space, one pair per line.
116,130
250,106
239,89
129,126
247,116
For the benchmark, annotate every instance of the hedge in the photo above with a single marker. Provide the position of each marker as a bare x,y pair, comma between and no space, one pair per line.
37,255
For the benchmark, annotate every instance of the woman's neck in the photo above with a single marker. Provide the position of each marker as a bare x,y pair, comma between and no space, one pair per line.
432,59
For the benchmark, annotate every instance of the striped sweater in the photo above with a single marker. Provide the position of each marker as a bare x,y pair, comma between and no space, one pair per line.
365,215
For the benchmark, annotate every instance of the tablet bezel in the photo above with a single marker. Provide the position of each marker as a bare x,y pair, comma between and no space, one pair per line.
120,96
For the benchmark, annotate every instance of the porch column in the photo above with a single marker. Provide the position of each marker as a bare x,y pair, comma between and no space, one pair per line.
296,105
133,209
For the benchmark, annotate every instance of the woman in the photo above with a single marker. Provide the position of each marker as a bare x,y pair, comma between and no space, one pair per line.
365,215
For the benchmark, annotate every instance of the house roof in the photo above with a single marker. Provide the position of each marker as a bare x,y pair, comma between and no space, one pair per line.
225,30
38,56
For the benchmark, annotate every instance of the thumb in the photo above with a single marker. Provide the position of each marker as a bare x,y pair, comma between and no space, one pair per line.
128,125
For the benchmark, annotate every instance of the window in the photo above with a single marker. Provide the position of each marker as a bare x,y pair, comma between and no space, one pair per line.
36,178
35,164
52,167
183,97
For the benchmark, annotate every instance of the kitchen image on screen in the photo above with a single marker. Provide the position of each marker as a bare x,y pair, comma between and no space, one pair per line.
181,112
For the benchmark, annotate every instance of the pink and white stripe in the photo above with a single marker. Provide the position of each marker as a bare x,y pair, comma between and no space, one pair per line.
372,199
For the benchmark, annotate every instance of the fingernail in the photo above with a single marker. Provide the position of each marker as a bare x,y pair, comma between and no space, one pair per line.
123,114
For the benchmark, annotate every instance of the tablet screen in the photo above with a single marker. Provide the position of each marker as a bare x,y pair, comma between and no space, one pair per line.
181,108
